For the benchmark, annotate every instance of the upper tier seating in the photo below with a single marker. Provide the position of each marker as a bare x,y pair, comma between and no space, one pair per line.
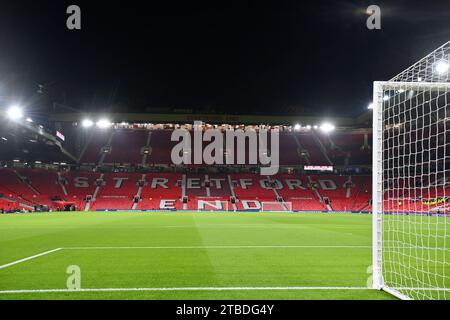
93,149
341,146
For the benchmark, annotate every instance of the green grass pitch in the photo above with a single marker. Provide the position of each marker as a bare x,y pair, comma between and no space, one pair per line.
187,256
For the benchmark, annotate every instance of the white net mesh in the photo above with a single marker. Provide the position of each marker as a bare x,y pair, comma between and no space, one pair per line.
276,206
415,178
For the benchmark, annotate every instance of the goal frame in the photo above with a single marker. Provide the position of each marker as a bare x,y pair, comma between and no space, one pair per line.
377,174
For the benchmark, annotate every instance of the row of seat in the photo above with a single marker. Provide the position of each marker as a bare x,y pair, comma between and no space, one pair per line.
126,191
128,146
145,191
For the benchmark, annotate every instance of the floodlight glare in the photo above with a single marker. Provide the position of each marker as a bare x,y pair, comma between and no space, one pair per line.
442,67
103,123
87,123
308,127
370,106
297,127
15,113
29,120
327,127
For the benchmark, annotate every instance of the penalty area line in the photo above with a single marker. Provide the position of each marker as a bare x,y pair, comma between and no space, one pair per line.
182,289
29,258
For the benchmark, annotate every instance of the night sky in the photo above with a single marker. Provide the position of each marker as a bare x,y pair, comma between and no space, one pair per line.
235,57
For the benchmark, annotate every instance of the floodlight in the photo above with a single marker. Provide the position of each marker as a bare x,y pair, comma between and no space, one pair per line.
327,127
297,127
316,127
103,123
15,113
308,127
29,120
441,67
87,123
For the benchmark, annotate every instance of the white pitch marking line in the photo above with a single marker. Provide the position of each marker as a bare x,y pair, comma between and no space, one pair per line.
183,289
29,258
220,247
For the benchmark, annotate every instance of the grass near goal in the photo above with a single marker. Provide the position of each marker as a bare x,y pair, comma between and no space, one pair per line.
411,180
187,256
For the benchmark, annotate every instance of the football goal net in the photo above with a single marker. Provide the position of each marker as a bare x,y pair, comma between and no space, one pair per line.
276,206
411,164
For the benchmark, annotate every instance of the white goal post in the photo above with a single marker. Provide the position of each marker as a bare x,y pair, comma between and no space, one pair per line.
411,180
275,206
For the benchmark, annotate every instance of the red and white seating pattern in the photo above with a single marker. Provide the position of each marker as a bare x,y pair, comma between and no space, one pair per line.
126,191
126,145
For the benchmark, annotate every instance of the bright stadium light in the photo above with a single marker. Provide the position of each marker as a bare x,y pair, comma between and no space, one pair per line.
15,113
87,123
327,127
308,127
370,106
441,67
297,127
103,123
29,120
